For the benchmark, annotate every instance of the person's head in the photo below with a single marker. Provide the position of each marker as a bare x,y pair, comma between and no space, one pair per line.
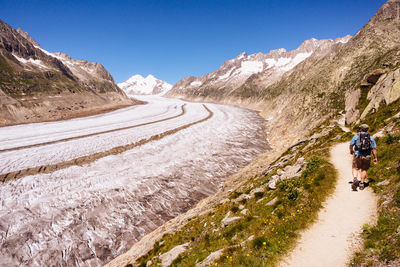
363,128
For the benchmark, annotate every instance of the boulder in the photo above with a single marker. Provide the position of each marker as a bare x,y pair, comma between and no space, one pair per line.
384,182
256,190
272,183
291,171
228,220
223,201
214,256
242,197
295,170
244,212
168,257
272,202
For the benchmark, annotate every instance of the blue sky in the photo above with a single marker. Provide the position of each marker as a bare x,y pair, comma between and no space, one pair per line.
174,39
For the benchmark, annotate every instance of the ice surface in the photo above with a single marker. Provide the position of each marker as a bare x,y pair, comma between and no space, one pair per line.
29,134
86,215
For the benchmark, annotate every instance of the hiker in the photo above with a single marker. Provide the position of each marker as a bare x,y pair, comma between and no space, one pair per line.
361,147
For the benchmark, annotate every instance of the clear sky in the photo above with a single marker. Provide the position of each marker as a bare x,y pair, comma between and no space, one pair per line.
173,39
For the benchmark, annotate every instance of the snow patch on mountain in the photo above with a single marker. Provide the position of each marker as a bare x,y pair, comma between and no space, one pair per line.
138,85
250,67
233,73
36,62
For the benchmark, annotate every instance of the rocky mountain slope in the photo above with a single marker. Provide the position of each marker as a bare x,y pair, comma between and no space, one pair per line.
331,79
138,85
36,85
256,217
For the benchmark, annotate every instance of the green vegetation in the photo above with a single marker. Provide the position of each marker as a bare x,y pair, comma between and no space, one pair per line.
265,232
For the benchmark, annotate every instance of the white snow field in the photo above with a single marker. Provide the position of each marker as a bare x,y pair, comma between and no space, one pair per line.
86,215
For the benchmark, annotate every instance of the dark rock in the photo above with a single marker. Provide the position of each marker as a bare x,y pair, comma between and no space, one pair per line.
374,76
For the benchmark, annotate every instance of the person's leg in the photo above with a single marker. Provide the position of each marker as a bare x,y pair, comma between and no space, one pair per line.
355,172
363,175
365,163
354,169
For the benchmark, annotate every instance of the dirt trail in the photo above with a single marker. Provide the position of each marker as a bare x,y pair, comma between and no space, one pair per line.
332,240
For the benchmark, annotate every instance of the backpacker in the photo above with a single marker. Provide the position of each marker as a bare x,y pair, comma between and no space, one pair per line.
364,143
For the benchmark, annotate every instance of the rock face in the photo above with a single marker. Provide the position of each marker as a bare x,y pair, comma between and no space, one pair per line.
138,85
351,111
33,80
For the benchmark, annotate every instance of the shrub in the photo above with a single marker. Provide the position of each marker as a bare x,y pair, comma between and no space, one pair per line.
259,242
259,195
390,139
234,209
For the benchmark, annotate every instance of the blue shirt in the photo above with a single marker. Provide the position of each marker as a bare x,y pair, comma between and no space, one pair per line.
354,142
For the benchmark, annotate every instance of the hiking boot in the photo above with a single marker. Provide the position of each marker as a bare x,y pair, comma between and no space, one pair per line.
361,186
354,186
353,181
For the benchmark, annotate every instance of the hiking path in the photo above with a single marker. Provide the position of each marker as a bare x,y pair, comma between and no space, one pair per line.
334,237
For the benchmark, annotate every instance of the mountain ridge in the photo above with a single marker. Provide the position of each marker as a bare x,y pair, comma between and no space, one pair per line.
36,85
235,72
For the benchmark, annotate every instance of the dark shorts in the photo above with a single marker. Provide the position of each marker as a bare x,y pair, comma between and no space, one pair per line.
362,163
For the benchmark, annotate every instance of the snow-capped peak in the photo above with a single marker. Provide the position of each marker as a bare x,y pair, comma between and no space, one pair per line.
138,85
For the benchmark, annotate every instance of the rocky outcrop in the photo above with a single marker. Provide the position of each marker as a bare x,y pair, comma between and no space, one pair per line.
351,112
168,257
228,220
384,92
213,257
289,172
